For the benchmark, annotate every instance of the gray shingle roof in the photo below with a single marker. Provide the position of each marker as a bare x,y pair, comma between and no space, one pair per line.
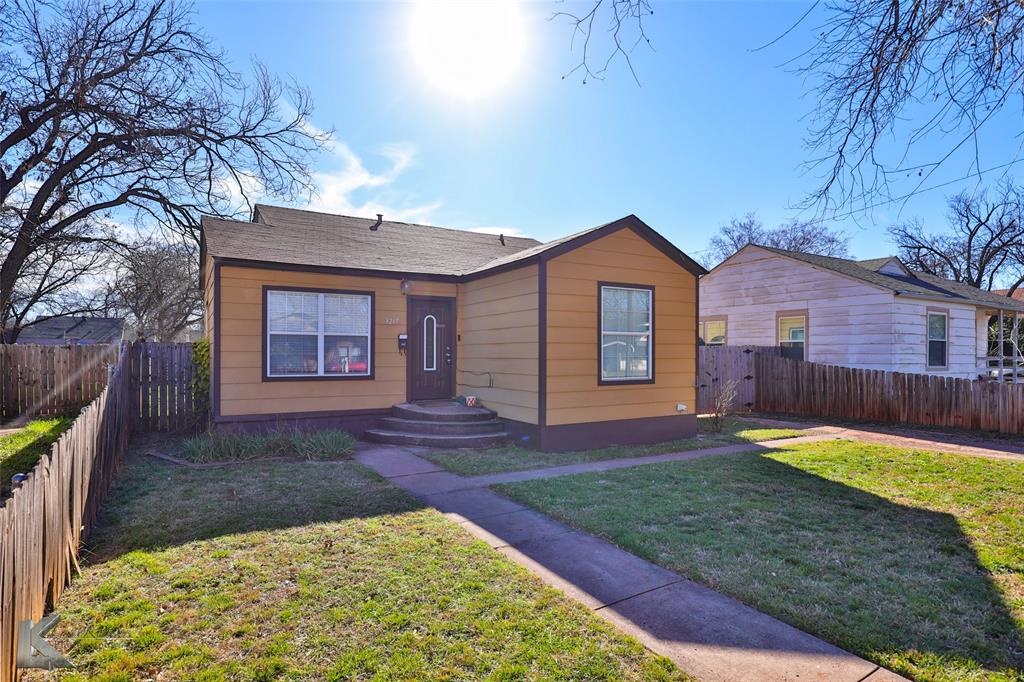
286,235
74,330
297,237
918,284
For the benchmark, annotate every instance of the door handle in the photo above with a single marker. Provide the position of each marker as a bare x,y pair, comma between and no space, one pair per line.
448,355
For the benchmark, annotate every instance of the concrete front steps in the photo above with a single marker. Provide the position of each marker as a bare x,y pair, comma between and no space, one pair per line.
439,424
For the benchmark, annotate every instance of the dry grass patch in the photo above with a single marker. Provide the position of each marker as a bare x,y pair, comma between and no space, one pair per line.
314,571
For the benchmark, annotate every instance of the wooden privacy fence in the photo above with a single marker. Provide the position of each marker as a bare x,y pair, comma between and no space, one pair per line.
810,389
720,364
165,378
44,521
51,380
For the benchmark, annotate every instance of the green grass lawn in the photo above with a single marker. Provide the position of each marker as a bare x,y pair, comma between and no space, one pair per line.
314,571
911,559
513,458
19,451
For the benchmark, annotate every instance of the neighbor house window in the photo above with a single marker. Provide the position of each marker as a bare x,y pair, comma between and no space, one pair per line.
938,339
712,331
627,333
792,335
318,334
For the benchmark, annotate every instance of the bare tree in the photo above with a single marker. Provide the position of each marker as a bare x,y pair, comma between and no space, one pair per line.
156,289
120,113
984,246
796,235
955,64
624,22
880,70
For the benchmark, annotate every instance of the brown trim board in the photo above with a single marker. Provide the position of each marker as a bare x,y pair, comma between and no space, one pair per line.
215,370
542,344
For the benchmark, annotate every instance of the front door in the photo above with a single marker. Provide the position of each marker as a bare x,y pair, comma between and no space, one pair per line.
431,358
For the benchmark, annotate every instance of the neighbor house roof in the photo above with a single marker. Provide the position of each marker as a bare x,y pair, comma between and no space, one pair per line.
307,238
59,330
914,283
1018,295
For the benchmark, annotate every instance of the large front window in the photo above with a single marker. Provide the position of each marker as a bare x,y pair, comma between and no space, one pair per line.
318,334
627,333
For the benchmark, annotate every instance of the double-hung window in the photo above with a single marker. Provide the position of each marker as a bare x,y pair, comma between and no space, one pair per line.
938,335
626,333
318,334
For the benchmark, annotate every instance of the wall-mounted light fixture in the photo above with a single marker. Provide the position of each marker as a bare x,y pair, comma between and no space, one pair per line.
406,285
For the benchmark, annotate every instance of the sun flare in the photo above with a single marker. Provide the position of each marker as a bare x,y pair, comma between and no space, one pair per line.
467,49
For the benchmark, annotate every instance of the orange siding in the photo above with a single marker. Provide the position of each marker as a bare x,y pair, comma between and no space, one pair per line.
243,392
498,327
573,393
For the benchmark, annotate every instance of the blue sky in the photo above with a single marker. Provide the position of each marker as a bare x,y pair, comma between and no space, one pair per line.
714,130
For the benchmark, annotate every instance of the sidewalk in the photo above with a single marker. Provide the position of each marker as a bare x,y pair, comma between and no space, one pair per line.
918,439
707,634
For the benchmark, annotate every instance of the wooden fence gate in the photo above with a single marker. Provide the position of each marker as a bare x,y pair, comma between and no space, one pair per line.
720,364
166,381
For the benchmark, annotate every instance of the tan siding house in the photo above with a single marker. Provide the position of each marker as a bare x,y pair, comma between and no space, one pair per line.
874,314
315,318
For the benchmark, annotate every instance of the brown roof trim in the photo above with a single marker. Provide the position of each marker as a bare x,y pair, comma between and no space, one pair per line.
359,272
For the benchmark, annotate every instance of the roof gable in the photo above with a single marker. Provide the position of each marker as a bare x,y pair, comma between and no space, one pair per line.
881,273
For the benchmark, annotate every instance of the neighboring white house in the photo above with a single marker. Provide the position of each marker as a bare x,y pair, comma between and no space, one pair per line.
871,314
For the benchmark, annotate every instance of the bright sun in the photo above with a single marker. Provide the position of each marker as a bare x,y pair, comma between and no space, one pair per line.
467,49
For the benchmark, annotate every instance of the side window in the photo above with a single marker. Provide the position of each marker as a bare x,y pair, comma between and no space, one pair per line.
938,345
793,336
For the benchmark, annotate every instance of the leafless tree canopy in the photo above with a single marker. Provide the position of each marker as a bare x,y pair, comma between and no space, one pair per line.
796,235
121,110
984,246
156,289
948,66
880,69
622,21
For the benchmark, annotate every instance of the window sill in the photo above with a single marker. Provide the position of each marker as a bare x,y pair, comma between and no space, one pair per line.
326,377
624,382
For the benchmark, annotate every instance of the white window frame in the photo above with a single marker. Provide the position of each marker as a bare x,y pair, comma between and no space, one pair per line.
649,333
928,339
319,334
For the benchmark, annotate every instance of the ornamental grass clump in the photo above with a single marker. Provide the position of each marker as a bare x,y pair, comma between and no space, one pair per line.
241,447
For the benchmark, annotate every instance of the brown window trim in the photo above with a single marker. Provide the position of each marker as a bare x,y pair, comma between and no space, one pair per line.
264,375
601,381
714,318
945,366
804,313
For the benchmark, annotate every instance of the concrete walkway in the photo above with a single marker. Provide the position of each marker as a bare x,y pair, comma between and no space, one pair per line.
706,633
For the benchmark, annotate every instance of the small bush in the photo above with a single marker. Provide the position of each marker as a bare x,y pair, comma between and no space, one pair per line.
241,447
